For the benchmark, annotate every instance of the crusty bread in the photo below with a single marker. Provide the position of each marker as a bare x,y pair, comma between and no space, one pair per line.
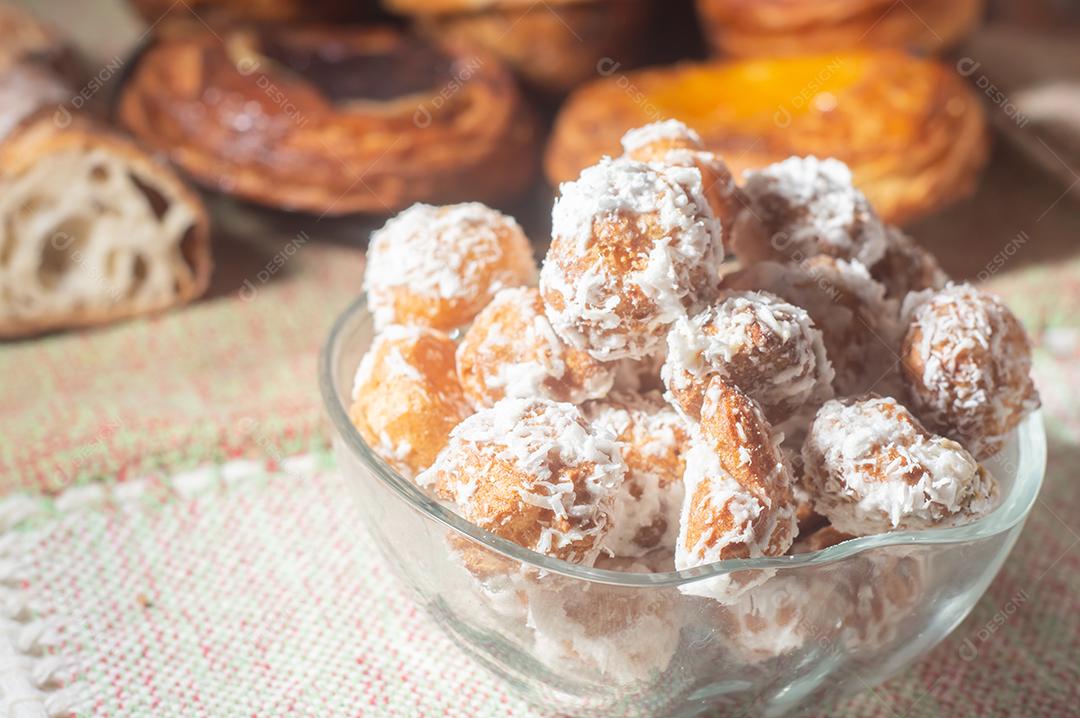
92,228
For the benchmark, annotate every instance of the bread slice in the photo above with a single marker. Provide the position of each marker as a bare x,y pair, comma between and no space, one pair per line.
92,228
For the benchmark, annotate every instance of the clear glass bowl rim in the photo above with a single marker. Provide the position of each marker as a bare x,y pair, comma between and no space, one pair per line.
1013,510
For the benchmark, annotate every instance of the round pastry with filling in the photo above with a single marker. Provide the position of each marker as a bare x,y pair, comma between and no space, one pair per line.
804,207
439,266
670,142
331,120
407,398
511,350
738,501
873,468
967,366
912,130
534,472
768,348
634,247
654,441
859,325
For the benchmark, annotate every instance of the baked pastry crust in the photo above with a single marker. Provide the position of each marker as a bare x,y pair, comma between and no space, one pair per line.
913,134
788,27
332,120
141,235
553,46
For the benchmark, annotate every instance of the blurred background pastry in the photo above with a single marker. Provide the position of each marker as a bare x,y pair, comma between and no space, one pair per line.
791,27
912,131
552,45
223,12
332,120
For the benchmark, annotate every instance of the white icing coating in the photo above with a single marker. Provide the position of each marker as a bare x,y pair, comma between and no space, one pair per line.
610,311
645,515
456,253
872,468
967,365
809,207
664,131
769,348
539,453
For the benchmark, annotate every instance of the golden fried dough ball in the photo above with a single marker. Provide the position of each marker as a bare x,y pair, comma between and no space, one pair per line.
511,350
439,266
534,472
633,249
406,396
872,467
967,367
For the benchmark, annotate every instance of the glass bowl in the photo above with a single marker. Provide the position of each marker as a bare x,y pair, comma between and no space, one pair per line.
594,641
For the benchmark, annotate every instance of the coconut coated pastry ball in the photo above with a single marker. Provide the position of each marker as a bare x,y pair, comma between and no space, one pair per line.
671,143
511,350
967,367
872,468
633,249
767,347
739,502
654,440
804,207
439,266
859,325
906,267
406,396
534,472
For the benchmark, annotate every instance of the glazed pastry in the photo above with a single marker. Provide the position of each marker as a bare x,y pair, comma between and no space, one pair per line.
911,130
872,467
768,348
791,27
331,120
967,366
511,350
654,441
634,247
534,472
92,228
407,398
553,46
439,266
739,502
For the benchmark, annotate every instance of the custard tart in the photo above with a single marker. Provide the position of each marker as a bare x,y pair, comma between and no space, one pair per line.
332,120
790,27
912,132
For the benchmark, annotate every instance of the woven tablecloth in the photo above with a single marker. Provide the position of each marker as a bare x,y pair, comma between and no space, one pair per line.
173,539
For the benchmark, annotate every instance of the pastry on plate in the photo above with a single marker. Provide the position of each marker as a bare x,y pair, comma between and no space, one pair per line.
790,27
552,45
332,120
912,132
92,228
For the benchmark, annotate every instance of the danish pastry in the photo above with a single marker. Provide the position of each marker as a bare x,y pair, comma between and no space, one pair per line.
768,348
331,120
532,471
553,46
967,366
872,467
738,501
406,396
654,439
511,350
92,228
911,130
788,27
439,266
634,247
